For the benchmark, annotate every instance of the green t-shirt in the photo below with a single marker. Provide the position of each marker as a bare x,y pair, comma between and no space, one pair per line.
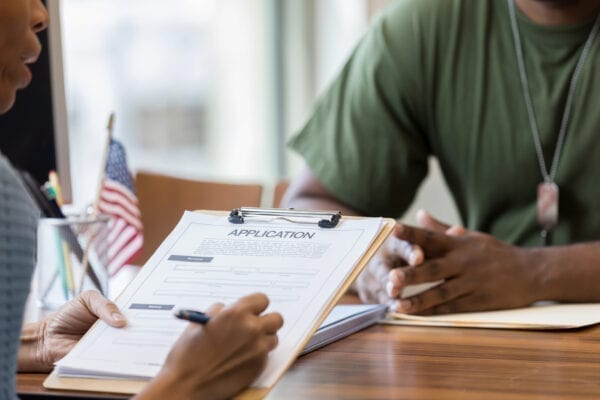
440,78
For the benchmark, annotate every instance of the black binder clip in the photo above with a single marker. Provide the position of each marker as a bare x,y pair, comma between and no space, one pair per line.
327,219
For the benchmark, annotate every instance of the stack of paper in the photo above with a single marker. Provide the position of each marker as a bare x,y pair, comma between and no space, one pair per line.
343,321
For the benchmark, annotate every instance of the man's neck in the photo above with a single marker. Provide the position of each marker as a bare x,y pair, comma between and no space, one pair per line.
559,12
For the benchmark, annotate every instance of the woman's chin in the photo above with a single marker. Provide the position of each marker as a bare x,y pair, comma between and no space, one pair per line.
7,100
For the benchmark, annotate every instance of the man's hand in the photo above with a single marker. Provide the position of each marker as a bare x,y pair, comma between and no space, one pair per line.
479,272
46,342
373,284
377,283
395,287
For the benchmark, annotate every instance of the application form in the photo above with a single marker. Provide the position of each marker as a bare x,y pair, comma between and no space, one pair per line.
205,260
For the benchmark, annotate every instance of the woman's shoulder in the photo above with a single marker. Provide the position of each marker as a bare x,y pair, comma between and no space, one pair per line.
15,201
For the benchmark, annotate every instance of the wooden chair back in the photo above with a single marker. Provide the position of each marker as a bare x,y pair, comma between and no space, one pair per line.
163,199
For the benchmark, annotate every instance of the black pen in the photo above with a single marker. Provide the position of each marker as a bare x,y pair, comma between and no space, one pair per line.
193,316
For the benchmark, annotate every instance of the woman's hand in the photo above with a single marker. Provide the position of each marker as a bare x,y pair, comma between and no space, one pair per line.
45,342
221,358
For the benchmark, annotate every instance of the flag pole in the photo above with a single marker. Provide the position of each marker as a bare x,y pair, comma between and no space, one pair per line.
109,132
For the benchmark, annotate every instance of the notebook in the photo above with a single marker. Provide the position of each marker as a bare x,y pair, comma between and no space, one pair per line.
344,320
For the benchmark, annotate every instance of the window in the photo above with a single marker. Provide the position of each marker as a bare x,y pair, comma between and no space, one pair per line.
205,89
189,81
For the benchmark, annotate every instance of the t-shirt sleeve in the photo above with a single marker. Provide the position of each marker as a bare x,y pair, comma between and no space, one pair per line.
364,141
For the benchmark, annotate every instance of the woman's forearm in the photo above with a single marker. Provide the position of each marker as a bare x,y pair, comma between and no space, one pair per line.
31,347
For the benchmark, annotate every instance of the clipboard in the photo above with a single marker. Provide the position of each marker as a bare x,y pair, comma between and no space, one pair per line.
122,386
323,219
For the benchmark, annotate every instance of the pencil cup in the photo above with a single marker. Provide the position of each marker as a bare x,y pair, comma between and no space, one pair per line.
71,258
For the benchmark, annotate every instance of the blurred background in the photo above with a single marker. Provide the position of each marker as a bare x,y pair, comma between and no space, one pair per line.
207,89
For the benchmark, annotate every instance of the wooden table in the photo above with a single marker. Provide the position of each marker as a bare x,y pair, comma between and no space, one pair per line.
387,362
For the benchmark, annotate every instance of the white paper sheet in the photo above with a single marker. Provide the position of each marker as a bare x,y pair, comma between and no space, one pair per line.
205,260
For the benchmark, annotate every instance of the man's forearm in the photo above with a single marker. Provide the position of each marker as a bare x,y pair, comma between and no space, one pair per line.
305,192
568,273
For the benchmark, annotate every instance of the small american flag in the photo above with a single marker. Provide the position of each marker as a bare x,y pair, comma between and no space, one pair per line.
118,200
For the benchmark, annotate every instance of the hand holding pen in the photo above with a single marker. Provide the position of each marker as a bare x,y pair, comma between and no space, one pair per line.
193,316
232,348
